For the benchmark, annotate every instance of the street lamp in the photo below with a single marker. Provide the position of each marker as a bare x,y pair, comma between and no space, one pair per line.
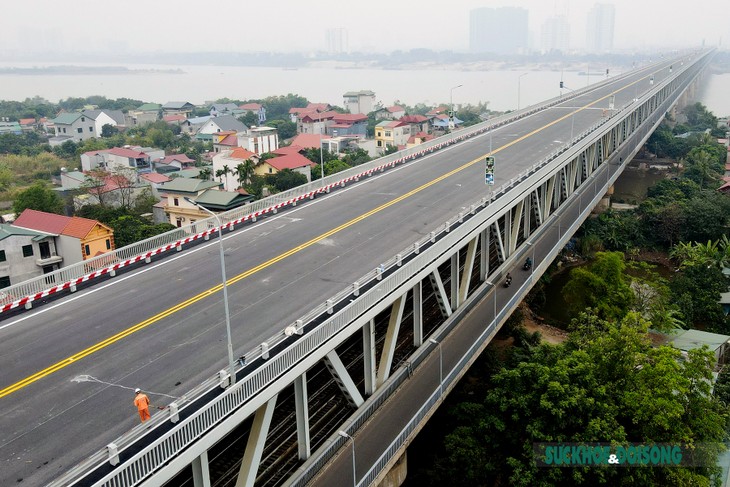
345,435
231,369
519,79
441,366
451,102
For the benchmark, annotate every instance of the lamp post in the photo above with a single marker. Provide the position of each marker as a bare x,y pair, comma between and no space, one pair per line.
354,476
451,103
519,79
231,368
441,366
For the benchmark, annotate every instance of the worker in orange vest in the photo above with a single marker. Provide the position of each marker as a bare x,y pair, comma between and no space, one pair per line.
143,404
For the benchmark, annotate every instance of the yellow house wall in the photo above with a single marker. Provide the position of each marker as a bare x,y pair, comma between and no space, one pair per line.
96,240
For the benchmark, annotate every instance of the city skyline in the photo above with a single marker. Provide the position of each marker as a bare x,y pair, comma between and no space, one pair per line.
290,26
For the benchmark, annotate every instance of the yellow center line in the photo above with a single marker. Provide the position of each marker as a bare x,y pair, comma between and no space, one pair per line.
180,306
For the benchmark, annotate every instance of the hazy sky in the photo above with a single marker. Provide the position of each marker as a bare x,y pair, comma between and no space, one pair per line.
300,25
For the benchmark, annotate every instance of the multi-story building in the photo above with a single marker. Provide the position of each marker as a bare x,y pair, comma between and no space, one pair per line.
600,27
498,30
336,40
25,254
359,101
555,36
391,133
259,139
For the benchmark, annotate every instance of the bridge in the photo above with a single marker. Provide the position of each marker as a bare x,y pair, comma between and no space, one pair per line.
344,297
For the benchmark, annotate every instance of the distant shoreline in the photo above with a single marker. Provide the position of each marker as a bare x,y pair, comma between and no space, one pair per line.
75,70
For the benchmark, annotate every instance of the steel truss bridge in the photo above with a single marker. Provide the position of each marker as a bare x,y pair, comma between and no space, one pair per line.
365,369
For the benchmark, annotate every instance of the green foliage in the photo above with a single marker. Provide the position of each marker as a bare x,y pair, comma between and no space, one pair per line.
285,128
699,118
355,157
38,197
25,144
696,289
29,169
603,286
286,179
107,130
606,384
721,388
617,230
277,107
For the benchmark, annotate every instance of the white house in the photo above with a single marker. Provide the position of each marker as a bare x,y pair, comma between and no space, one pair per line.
259,139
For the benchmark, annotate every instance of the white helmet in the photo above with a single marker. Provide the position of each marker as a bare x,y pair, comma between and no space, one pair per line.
137,390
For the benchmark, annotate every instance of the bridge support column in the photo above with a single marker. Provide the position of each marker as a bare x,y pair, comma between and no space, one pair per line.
391,339
201,474
484,257
471,252
455,281
441,296
368,353
255,444
334,364
418,314
301,399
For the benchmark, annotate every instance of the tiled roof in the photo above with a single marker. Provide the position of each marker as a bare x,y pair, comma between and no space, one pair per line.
7,230
396,108
122,152
413,119
230,140
313,116
289,161
308,141
181,158
56,224
291,149
228,122
391,124
154,177
360,93
178,117
189,185
318,106
241,153
66,118
216,198
350,117
26,121
176,105
149,107
251,106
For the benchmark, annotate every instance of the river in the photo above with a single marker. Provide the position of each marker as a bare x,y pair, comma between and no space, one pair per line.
503,89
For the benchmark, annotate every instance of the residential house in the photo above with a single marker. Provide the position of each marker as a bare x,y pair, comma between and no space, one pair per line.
256,108
296,113
72,126
418,123
418,139
390,113
25,254
686,340
359,101
223,123
392,133
113,190
155,182
226,163
115,118
192,125
72,179
348,124
442,122
314,122
294,161
337,145
227,140
116,158
259,139
180,211
77,239
10,128
145,113
218,109
177,119
27,124
173,162
178,108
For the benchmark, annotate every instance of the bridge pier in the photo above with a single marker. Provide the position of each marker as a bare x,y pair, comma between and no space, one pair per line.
397,474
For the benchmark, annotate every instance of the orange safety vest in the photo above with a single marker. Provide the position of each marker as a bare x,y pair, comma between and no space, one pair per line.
141,401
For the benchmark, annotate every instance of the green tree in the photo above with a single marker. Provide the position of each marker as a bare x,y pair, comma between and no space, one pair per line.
606,384
602,285
107,130
286,179
38,197
285,128
696,289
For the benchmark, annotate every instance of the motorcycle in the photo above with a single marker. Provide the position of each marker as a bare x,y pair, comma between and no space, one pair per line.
507,281
528,264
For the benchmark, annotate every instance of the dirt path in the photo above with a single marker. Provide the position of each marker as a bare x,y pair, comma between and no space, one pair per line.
550,334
